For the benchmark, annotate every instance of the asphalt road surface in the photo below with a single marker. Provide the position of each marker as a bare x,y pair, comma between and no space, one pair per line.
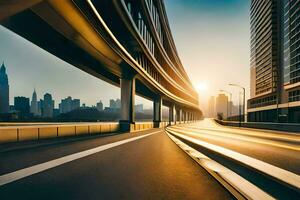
144,165
268,159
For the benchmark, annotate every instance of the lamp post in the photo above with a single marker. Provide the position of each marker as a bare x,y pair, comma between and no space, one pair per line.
244,97
230,100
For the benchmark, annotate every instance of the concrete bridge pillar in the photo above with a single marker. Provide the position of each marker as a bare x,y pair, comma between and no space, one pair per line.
180,116
127,101
157,111
172,114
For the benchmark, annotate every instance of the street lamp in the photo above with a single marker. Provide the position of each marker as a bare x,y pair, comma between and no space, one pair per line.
244,97
230,100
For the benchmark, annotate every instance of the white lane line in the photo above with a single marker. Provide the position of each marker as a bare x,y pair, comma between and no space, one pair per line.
282,175
241,185
22,173
212,134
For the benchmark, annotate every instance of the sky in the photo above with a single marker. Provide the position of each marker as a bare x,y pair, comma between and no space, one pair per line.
212,39
213,42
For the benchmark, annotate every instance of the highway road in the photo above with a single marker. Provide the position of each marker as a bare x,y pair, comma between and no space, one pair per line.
142,165
268,159
200,160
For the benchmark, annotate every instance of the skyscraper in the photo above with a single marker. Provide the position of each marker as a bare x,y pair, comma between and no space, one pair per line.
275,56
112,104
100,106
118,103
4,90
211,107
22,105
34,104
75,104
68,104
222,105
65,105
48,106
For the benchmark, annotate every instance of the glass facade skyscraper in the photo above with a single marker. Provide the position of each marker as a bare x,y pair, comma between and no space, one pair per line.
275,61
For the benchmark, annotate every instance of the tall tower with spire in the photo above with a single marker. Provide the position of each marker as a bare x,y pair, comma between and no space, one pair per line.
4,90
34,104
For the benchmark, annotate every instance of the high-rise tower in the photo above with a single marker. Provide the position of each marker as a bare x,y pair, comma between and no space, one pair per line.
4,90
275,61
34,104
48,106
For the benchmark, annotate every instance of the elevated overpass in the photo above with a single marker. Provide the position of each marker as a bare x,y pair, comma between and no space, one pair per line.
127,43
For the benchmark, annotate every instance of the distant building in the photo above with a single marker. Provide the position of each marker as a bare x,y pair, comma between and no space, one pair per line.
47,106
34,104
221,105
65,105
118,103
112,104
211,107
68,104
139,108
234,109
100,106
21,104
75,104
55,112
4,90
40,107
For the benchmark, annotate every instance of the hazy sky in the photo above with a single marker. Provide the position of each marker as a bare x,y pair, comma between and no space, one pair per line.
212,38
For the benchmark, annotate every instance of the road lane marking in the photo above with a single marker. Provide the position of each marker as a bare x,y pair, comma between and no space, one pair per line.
210,134
237,185
22,173
284,137
282,175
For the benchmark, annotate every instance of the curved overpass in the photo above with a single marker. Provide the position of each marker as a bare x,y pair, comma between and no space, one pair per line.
125,42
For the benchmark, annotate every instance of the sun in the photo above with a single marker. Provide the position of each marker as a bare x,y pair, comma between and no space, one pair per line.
202,86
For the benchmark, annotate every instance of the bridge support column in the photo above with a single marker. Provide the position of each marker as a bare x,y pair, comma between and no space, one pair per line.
180,116
127,102
157,111
172,115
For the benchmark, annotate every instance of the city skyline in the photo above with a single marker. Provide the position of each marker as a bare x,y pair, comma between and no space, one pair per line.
35,94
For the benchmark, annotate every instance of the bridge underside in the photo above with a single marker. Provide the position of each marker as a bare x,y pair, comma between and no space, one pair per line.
63,30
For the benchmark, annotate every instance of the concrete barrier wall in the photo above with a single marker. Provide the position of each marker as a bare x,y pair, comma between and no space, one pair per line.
39,131
45,131
264,125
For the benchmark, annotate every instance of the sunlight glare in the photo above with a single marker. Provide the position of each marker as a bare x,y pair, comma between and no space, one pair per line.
202,86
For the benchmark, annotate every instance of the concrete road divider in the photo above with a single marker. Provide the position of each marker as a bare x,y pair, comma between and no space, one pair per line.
38,131
26,134
82,130
64,131
8,135
48,132
95,129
